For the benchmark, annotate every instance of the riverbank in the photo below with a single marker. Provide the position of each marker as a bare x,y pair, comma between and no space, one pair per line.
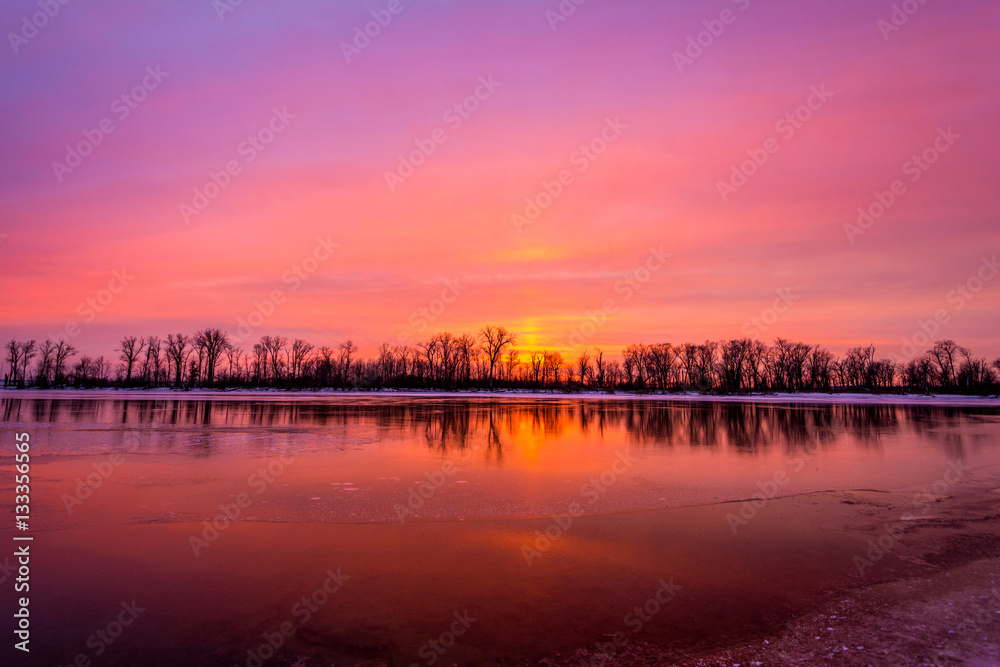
931,598
274,394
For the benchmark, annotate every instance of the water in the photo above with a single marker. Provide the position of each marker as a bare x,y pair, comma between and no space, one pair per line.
548,521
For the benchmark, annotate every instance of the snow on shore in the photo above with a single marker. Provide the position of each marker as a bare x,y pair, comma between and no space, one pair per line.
272,394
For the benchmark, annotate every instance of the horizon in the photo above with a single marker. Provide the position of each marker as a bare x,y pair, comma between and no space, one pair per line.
820,174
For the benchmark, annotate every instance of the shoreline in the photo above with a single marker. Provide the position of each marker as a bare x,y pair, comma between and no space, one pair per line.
949,617
941,606
805,398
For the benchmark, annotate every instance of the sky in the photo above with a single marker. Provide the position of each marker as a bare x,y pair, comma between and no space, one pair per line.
586,175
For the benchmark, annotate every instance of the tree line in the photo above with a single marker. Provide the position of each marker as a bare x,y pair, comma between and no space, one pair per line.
491,359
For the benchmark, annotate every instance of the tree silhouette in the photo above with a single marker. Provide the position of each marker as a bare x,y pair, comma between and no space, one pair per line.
211,343
468,360
177,353
495,339
131,348
63,351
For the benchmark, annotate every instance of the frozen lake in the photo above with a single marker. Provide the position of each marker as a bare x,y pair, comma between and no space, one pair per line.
545,519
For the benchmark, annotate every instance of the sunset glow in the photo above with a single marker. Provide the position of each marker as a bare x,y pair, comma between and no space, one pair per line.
559,160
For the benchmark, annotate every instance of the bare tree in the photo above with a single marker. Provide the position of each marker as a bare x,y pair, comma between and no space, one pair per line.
259,363
600,367
495,339
151,364
614,374
512,361
273,345
659,361
385,364
63,351
732,362
584,369
28,352
756,354
211,343
177,353
553,364
918,373
945,354
102,369
819,368
688,356
325,365
14,359
706,364
975,373
347,350
403,354
466,357
234,354
537,361
131,348
447,346
431,353
300,349
46,355
858,367
485,358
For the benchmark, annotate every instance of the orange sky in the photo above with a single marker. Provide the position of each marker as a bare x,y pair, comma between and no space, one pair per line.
662,137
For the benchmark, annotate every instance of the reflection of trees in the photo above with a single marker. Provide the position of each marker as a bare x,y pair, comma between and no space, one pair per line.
869,423
745,425
494,447
447,429
453,425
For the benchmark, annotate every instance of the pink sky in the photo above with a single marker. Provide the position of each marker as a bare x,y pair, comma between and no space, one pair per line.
655,185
